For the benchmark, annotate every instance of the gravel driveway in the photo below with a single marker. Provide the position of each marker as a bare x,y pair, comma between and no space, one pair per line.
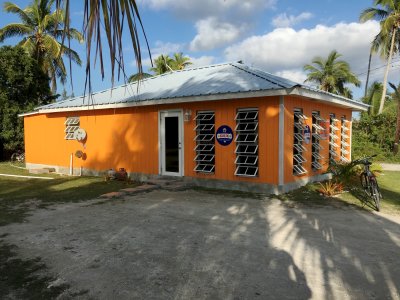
201,245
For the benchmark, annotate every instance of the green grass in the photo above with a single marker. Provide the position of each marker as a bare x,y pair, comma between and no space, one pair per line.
389,183
18,195
16,169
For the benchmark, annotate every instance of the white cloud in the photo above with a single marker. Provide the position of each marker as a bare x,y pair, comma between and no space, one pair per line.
158,49
201,61
213,34
296,75
283,20
285,49
165,48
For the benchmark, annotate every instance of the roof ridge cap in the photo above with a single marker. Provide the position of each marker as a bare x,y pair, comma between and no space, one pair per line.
257,75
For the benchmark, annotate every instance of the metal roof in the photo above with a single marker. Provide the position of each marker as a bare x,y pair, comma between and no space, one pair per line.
218,81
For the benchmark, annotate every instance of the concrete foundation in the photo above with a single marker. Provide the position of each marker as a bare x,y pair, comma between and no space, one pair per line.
249,187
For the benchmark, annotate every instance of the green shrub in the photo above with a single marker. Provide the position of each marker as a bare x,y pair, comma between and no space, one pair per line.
375,135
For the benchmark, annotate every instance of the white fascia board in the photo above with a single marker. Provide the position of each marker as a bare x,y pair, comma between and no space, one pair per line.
299,91
28,114
215,97
331,99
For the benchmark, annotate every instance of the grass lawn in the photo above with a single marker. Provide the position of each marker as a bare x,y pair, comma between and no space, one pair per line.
389,183
17,195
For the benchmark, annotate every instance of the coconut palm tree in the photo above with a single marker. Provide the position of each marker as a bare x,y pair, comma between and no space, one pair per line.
162,64
41,31
396,97
138,77
387,40
373,97
331,74
180,62
107,18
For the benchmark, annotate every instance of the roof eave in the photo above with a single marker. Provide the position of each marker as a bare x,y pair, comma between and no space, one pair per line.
31,113
329,98
214,97
299,91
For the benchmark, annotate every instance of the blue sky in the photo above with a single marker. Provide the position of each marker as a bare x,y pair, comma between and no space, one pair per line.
278,36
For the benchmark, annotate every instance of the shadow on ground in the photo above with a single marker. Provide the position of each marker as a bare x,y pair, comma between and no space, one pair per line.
193,244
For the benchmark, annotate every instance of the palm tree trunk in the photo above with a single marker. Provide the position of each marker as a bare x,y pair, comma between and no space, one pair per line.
369,70
385,78
397,134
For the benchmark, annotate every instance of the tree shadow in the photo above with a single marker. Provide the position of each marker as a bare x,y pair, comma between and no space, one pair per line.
354,252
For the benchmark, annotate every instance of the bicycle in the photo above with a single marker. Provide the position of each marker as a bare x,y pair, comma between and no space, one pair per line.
368,180
18,156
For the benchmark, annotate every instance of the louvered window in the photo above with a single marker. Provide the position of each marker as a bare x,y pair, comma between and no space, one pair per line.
71,125
205,142
345,146
317,131
246,142
298,139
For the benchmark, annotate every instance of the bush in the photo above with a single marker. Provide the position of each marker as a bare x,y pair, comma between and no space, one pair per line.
375,135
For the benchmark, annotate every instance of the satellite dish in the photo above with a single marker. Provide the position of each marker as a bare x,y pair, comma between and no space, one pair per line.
80,134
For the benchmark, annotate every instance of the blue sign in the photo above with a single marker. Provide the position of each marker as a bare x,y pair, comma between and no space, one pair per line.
224,135
307,134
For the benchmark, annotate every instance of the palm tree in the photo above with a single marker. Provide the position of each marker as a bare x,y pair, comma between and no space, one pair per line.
180,62
396,96
162,64
138,77
331,74
387,40
107,18
373,97
41,31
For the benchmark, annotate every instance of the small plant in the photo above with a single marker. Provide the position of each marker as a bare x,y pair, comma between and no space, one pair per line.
343,172
330,188
376,169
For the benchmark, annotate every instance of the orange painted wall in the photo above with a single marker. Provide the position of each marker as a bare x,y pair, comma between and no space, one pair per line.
308,107
116,138
129,138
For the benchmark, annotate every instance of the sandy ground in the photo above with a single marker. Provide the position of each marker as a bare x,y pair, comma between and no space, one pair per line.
197,245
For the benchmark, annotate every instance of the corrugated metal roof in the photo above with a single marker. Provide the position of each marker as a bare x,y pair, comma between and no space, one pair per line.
228,78
210,80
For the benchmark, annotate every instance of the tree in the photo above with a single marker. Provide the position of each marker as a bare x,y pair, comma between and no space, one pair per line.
331,74
373,97
138,76
162,64
23,86
179,62
396,97
387,40
41,31
107,18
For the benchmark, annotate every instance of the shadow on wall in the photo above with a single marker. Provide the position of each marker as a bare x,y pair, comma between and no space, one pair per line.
127,147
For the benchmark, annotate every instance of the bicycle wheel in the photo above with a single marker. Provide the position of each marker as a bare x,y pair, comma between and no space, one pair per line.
14,157
376,194
364,182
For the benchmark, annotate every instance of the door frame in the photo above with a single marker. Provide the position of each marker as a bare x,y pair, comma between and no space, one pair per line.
161,148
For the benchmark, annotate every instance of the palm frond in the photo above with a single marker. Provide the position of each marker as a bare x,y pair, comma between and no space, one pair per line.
15,9
14,29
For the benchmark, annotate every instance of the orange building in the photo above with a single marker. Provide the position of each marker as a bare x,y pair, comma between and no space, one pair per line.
225,126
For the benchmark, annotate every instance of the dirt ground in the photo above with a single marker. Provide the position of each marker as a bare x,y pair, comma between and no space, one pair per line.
201,245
